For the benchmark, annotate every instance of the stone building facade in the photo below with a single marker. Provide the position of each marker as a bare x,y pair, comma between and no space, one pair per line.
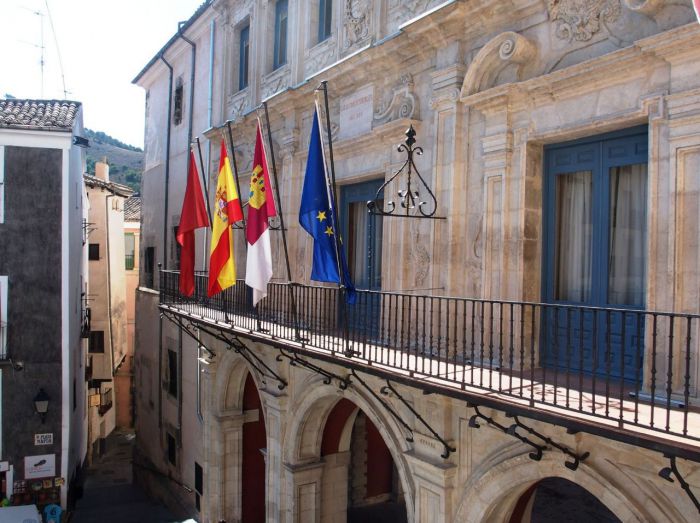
559,140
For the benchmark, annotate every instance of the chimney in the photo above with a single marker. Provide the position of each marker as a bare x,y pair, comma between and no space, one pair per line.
102,170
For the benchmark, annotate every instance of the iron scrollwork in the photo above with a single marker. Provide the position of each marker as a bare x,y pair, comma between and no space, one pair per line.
409,197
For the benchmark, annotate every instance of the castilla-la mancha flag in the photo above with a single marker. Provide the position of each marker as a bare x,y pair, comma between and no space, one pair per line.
227,211
192,217
261,207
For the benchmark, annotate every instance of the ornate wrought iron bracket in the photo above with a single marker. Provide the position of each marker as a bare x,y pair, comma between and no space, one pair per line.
294,360
409,197
539,449
274,223
240,348
666,473
386,405
389,388
188,329
571,465
256,362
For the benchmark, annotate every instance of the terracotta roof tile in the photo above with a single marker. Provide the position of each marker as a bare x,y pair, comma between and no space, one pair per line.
38,114
132,209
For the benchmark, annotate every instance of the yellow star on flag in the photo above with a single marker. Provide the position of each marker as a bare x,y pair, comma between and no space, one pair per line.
321,216
329,230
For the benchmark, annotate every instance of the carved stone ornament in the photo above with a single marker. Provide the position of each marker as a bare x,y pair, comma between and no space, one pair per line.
237,104
275,82
646,7
403,103
501,51
357,17
320,57
419,255
581,19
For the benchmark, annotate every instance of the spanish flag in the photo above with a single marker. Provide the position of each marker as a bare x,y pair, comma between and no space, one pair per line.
261,207
227,211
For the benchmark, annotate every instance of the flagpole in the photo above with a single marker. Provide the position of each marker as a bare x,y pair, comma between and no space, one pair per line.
240,202
206,189
333,190
275,192
235,171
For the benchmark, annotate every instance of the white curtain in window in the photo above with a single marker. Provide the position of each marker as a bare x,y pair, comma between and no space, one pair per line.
573,237
627,256
358,248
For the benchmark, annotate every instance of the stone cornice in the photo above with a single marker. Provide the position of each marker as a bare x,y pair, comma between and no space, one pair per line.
678,44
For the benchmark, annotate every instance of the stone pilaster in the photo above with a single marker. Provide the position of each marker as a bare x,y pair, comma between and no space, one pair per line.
275,412
304,484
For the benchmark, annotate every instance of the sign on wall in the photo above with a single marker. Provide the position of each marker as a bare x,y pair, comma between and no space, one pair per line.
39,466
356,112
43,439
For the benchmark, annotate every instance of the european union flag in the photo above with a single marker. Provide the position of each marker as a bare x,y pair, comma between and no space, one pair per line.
316,216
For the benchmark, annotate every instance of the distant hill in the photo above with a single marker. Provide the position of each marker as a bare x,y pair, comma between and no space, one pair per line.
125,161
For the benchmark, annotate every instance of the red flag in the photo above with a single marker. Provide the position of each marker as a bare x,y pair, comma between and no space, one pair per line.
192,217
696,5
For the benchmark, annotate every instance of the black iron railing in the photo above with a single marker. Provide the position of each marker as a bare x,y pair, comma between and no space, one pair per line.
631,367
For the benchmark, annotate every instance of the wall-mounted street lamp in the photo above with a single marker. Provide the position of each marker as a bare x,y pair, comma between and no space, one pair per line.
41,404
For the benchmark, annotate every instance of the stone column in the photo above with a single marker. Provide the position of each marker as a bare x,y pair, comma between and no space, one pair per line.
275,413
434,483
224,462
447,180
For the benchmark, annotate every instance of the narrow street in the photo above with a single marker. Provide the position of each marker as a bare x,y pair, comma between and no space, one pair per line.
109,496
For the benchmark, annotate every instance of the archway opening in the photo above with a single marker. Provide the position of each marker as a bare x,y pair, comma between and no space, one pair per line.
552,500
360,480
254,448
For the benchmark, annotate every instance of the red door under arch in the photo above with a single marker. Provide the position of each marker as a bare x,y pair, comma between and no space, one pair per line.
253,460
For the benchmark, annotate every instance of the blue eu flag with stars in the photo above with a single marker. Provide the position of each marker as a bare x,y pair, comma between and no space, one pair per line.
316,216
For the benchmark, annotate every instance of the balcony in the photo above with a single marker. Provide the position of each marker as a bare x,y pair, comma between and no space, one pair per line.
86,315
629,375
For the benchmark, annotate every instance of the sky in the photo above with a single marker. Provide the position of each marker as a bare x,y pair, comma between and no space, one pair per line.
103,45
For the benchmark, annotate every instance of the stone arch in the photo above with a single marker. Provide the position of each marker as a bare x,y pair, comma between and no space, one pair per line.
504,50
224,432
302,442
229,383
486,497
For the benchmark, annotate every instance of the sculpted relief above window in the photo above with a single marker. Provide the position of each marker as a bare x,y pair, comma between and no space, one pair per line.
357,20
581,19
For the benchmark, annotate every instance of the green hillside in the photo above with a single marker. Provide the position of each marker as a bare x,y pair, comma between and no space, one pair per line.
125,161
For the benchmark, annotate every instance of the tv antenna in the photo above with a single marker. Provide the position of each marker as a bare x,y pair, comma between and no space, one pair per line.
41,46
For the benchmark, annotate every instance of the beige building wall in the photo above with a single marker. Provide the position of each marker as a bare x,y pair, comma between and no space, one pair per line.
487,86
124,377
106,298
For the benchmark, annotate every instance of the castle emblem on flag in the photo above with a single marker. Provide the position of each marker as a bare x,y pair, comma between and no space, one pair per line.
257,188
221,203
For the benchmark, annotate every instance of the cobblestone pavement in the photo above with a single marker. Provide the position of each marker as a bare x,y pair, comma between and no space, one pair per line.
109,496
